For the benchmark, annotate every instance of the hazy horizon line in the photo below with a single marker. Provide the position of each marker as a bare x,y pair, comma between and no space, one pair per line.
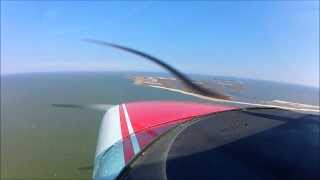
145,71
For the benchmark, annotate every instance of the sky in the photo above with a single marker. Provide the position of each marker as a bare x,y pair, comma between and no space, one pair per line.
277,41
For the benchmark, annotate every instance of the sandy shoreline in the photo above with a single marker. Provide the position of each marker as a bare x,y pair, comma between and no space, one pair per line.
305,108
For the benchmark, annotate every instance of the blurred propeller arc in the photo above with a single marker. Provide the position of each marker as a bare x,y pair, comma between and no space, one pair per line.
183,78
96,107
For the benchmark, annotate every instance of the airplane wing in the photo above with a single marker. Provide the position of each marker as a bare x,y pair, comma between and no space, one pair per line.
183,140
127,129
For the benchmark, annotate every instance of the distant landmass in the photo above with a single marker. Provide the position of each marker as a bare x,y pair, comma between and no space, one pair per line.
238,91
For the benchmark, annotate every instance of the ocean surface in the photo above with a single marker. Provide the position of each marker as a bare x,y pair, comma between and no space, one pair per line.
39,141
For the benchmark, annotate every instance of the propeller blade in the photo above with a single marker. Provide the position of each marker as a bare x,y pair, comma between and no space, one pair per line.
187,82
86,168
97,107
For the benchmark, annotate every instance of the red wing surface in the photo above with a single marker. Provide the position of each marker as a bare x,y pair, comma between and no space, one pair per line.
256,143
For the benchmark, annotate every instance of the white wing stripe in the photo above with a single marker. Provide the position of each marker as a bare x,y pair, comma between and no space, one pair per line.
133,138
128,121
